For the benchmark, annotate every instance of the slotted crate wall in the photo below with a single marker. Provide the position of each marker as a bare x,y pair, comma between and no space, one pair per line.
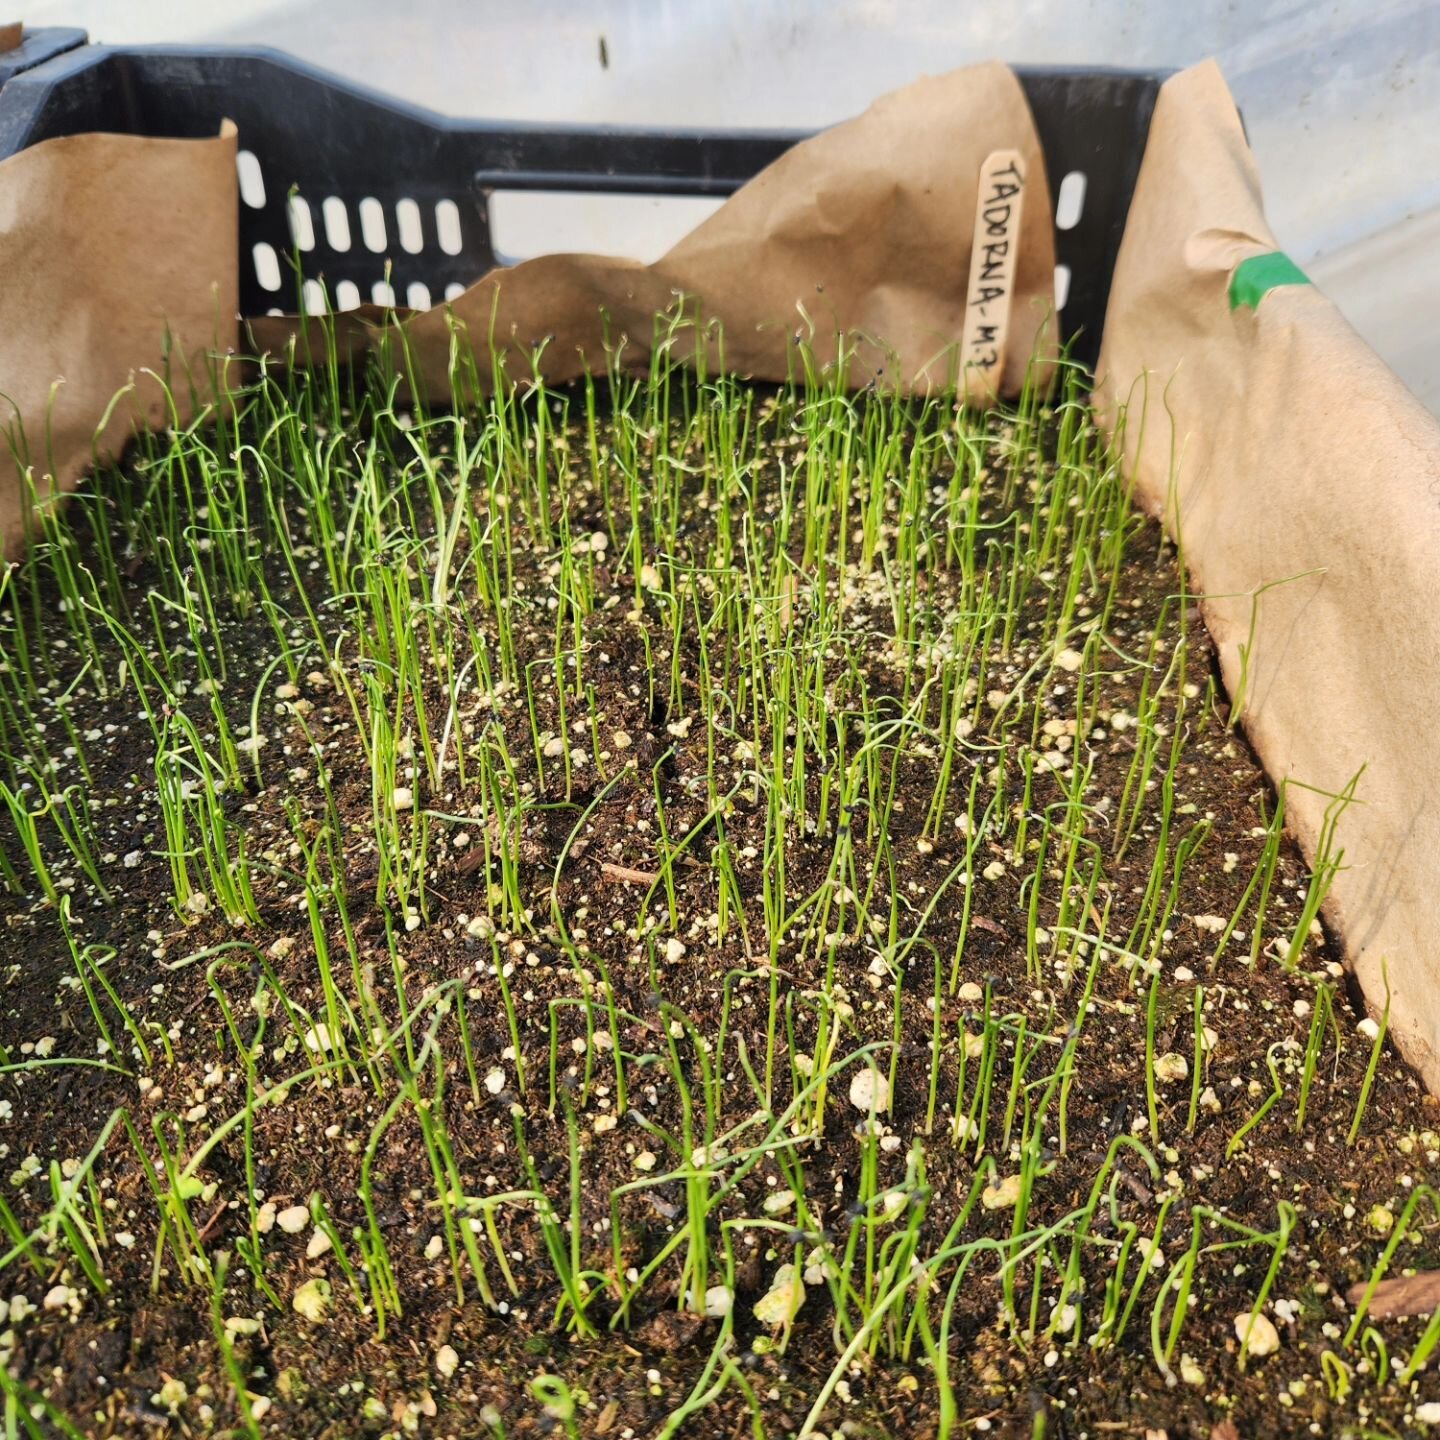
363,248
384,202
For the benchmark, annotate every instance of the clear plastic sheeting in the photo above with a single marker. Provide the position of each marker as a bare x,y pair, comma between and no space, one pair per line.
1341,101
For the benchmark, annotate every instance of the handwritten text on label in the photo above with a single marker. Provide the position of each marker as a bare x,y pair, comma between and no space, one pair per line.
994,255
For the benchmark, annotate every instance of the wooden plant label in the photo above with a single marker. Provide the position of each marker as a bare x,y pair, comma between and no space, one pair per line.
994,255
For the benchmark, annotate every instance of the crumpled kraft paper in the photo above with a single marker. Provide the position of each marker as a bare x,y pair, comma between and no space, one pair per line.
117,256
863,229
1294,451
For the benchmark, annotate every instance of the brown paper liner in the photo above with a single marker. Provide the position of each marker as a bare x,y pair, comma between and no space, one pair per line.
1276,445
118,268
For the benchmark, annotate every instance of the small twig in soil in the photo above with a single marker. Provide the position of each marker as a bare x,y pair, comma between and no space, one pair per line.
625,874
207,1230
1404,1296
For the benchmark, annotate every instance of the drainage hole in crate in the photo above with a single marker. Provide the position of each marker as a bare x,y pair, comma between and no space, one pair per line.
417,295
372,225
454,290
382,292
447,226
1070,203
313,298
347,295
1062,286
407,221
252,181
302,223
337,222
267,265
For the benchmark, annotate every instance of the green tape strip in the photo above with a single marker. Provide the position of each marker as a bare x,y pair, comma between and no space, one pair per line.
1256,277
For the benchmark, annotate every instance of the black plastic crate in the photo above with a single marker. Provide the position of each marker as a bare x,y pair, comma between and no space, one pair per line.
378,183
37,46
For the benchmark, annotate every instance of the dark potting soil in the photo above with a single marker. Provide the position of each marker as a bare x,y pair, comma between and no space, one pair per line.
147,1348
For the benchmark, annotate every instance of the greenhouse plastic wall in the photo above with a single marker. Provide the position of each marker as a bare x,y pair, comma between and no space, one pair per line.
1341,101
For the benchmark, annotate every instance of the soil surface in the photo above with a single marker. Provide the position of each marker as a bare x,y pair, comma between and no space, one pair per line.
194,1287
